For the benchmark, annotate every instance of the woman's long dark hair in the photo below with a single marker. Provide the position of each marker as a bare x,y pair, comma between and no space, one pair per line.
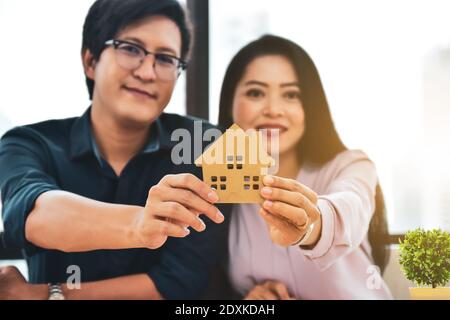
320,142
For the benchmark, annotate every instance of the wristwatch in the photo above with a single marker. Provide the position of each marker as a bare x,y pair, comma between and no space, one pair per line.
55,292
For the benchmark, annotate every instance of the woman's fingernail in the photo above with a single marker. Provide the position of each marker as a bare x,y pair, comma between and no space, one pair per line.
187,230
219,216
268,180
203,224
268,204
266,191
213,196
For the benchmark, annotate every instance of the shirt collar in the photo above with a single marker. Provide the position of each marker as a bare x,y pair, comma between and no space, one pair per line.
80,136
83,142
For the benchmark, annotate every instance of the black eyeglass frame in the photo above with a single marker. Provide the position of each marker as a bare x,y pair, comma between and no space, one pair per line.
182,65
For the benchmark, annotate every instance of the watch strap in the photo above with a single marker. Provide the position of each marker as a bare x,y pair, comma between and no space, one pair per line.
55,292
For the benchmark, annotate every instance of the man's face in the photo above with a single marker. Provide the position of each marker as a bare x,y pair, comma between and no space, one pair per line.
137,97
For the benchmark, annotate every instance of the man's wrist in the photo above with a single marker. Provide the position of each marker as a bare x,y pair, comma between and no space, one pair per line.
38,291
131,233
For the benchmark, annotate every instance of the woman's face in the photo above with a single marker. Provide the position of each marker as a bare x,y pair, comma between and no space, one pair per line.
268,97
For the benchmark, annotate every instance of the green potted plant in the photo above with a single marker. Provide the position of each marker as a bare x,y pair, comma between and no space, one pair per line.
425,259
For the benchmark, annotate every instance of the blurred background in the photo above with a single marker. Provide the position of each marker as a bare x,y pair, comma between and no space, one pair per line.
385,67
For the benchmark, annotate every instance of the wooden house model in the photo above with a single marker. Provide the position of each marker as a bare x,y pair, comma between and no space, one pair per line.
235,164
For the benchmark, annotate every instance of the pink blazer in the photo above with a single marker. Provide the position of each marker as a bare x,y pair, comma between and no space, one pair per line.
340,266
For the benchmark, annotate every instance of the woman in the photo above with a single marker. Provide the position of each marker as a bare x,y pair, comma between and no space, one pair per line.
310,239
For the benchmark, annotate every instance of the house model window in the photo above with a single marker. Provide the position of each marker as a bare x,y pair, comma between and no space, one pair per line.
235,166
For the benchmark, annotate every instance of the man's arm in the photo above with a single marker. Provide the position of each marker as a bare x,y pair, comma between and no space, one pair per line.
133,287
13,286
37,214
72,223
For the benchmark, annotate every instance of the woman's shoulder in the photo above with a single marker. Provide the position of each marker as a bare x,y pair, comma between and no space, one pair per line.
348,157
345,160
355,160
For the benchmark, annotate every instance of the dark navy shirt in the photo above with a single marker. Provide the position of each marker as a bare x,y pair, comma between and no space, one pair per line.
62,155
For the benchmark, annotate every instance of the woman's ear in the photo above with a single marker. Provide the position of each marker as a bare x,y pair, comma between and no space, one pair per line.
89,64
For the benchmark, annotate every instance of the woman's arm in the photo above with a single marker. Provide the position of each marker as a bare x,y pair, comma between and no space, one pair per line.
269,290
342,215
346,210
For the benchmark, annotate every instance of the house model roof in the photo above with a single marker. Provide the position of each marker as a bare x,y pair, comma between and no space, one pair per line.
235,164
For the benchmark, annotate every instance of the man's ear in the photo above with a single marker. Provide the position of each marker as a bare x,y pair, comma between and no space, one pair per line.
89,64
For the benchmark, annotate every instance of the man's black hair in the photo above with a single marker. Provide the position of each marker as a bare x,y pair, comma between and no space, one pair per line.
106,18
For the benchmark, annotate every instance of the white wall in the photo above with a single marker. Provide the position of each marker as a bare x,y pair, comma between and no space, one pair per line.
40,61
372,57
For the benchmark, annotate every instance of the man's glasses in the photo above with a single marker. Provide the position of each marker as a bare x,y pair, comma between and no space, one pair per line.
131,56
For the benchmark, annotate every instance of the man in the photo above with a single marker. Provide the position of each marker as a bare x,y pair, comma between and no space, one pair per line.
100,194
